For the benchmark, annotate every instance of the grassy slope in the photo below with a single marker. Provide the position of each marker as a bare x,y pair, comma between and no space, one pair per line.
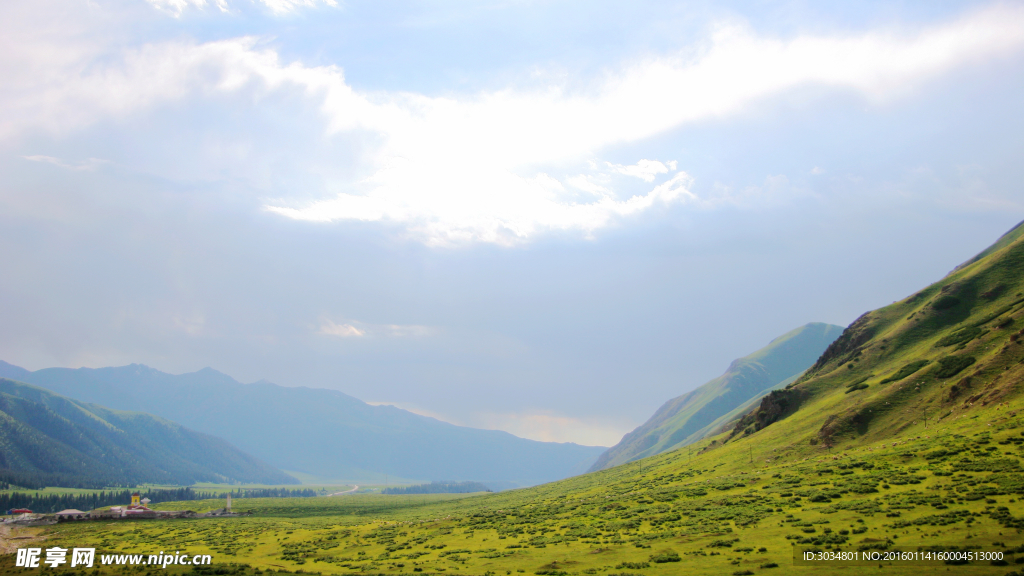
697,414
738,505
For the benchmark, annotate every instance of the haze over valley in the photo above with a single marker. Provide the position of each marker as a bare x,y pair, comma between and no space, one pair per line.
559,287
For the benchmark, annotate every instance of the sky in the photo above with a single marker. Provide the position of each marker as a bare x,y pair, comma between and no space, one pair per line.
545,217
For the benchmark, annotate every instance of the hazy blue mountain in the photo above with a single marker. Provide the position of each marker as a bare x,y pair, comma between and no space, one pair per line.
48,439
13,372
701,412
320,432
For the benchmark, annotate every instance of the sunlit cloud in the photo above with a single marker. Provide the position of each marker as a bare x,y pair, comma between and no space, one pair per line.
543,426
645,170
89,165
552,427
329,328
356,329
278,7
514,209
502,166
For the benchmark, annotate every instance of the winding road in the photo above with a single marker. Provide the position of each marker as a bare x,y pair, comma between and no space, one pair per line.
345,492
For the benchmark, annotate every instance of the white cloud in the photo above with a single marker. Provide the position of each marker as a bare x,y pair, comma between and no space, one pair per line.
89,165
285,6
176,7
489,166
645,170
513,209
278,7
586,184
343,330
358,329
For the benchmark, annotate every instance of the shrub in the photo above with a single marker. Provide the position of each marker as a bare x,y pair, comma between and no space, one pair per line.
945,302
905,371
953,365
959,337
668,557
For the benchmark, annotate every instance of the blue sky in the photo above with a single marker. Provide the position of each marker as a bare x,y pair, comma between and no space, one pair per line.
544,217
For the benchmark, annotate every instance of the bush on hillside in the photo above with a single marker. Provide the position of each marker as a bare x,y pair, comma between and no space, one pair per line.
905,371
669,557
953,365
960,336
945,302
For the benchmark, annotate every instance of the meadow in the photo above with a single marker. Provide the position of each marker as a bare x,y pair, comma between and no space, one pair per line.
739,509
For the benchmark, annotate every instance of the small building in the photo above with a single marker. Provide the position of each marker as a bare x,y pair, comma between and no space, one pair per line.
71,514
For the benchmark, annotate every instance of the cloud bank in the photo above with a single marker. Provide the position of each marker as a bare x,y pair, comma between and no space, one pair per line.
499,166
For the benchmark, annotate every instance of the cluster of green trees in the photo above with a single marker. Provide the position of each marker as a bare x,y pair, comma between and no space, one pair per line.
35,480
38,502
274,493
439,488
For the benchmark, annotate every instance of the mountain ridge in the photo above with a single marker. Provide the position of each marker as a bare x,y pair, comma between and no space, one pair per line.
49,439
700,412
320,431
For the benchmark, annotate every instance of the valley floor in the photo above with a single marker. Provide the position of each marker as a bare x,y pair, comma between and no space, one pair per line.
742,508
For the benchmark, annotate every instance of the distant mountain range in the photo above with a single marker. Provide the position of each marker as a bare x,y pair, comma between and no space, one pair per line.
706,410
49,440
320,432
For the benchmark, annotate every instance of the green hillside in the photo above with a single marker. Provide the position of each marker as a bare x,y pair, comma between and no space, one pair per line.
705,410
47,439
936,355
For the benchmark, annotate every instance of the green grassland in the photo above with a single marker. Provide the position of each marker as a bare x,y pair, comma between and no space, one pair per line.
908,432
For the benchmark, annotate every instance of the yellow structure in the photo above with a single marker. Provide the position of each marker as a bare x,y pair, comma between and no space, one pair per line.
135,499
